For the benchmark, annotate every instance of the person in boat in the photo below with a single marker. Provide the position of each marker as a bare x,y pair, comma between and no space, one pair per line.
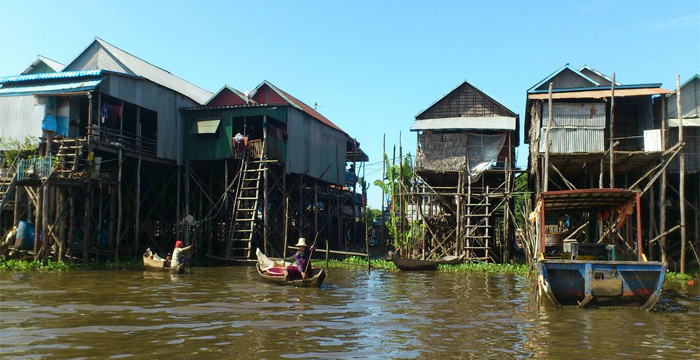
178,253
301,258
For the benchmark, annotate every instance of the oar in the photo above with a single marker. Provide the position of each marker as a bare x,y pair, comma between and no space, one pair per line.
308,263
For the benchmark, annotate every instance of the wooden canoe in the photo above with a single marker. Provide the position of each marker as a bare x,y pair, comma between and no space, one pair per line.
315,281
158,264
423,265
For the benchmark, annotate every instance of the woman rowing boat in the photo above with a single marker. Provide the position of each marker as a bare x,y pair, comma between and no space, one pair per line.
302,267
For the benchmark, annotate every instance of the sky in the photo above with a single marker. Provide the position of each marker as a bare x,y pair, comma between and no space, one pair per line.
370,65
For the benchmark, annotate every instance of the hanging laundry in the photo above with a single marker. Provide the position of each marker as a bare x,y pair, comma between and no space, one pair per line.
103,113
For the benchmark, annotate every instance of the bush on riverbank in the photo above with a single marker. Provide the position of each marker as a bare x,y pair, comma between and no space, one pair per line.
21,265
356,261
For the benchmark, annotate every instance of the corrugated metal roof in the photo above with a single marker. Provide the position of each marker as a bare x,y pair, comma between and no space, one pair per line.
52,64
601,87
156,74
465,123
606,77
600,94
690,101
238,93
49,76
565,67
298,104
50,88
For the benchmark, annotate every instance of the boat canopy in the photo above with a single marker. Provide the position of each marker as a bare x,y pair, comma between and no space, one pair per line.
587,200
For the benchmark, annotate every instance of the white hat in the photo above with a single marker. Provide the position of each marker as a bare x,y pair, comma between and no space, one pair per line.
301,242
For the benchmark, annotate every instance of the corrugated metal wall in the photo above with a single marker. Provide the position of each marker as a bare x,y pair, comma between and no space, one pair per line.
311,146
167,103
690,101
209,147
576,128
21,116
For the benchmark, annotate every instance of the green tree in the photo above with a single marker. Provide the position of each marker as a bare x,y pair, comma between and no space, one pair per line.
397,180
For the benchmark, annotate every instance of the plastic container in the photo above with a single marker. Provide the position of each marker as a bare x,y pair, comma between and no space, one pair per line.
25,233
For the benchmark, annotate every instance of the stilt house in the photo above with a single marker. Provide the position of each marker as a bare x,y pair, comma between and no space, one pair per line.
465,156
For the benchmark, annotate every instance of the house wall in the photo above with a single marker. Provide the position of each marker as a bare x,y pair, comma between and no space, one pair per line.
313,146
576,128
690,101
565,80
21,116
165,102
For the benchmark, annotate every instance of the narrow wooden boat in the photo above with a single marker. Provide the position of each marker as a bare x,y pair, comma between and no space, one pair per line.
264,263
423,265
599,272
153,262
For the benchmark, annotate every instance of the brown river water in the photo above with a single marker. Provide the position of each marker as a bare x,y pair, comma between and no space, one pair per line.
229,313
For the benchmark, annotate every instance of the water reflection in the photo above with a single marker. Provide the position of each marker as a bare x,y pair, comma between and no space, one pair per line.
229,313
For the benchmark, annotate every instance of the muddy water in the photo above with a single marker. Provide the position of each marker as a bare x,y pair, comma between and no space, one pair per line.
219,313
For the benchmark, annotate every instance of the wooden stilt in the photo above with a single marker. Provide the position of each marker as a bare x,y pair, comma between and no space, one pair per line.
681,189
38,227
137,209
612,132
120,210
650,249
45,221
87,229
266,213
186,227
545,185
401,233
178,216
662,191
61,217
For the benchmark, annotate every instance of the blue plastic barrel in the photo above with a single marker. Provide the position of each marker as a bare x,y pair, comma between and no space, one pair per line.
24,235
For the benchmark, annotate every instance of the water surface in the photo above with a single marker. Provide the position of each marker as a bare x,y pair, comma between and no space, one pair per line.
219,313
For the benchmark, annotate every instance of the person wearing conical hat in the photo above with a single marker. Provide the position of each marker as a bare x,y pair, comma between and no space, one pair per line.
301,259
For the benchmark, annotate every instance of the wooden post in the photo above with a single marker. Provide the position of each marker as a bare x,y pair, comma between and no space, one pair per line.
187,203
364,206
119,204
286,224
650,250
112,217
209,219
639,227
226,206
662,191
178,216
300,218
266,214
38,228
400,199
612,132
354,188
384,195
86,223
137,215
45,219
681,190
546,142
458,217
315,207
61,217
18,201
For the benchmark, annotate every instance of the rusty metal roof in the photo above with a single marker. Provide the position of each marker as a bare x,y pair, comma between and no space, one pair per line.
586,200
600,94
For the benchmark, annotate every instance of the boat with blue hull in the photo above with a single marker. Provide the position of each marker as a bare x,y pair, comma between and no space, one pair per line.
600,266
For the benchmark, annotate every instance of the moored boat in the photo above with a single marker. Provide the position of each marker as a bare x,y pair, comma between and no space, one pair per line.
153,262
606,268
271,270
423,265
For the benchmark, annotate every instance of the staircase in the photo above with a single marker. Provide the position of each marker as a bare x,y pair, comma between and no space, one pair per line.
70,152
7,184
479,238
246,206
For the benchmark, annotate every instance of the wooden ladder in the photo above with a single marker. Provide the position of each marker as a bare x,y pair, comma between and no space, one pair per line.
69,153
245,207
478,233
7,183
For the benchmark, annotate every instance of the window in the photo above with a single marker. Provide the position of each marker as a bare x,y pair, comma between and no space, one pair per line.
206,126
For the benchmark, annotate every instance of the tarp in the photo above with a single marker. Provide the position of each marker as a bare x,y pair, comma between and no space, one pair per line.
482,152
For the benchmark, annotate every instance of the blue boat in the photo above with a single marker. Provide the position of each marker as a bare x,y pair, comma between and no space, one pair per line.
598,267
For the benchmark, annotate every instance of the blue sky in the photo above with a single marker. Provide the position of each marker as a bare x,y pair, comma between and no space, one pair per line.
371,65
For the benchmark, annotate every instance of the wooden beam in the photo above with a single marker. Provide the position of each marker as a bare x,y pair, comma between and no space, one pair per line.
681,189
612,132
546,142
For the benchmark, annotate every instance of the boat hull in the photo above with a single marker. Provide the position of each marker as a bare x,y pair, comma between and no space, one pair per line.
423,265
601,283
161,266
315,281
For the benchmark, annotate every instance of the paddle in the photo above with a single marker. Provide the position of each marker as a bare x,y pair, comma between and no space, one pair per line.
308,263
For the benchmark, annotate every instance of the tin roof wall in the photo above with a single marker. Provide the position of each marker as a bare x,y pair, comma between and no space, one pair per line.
690,101
126,63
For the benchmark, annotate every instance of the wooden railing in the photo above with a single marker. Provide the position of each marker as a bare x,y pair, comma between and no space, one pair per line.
255,148
122,139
